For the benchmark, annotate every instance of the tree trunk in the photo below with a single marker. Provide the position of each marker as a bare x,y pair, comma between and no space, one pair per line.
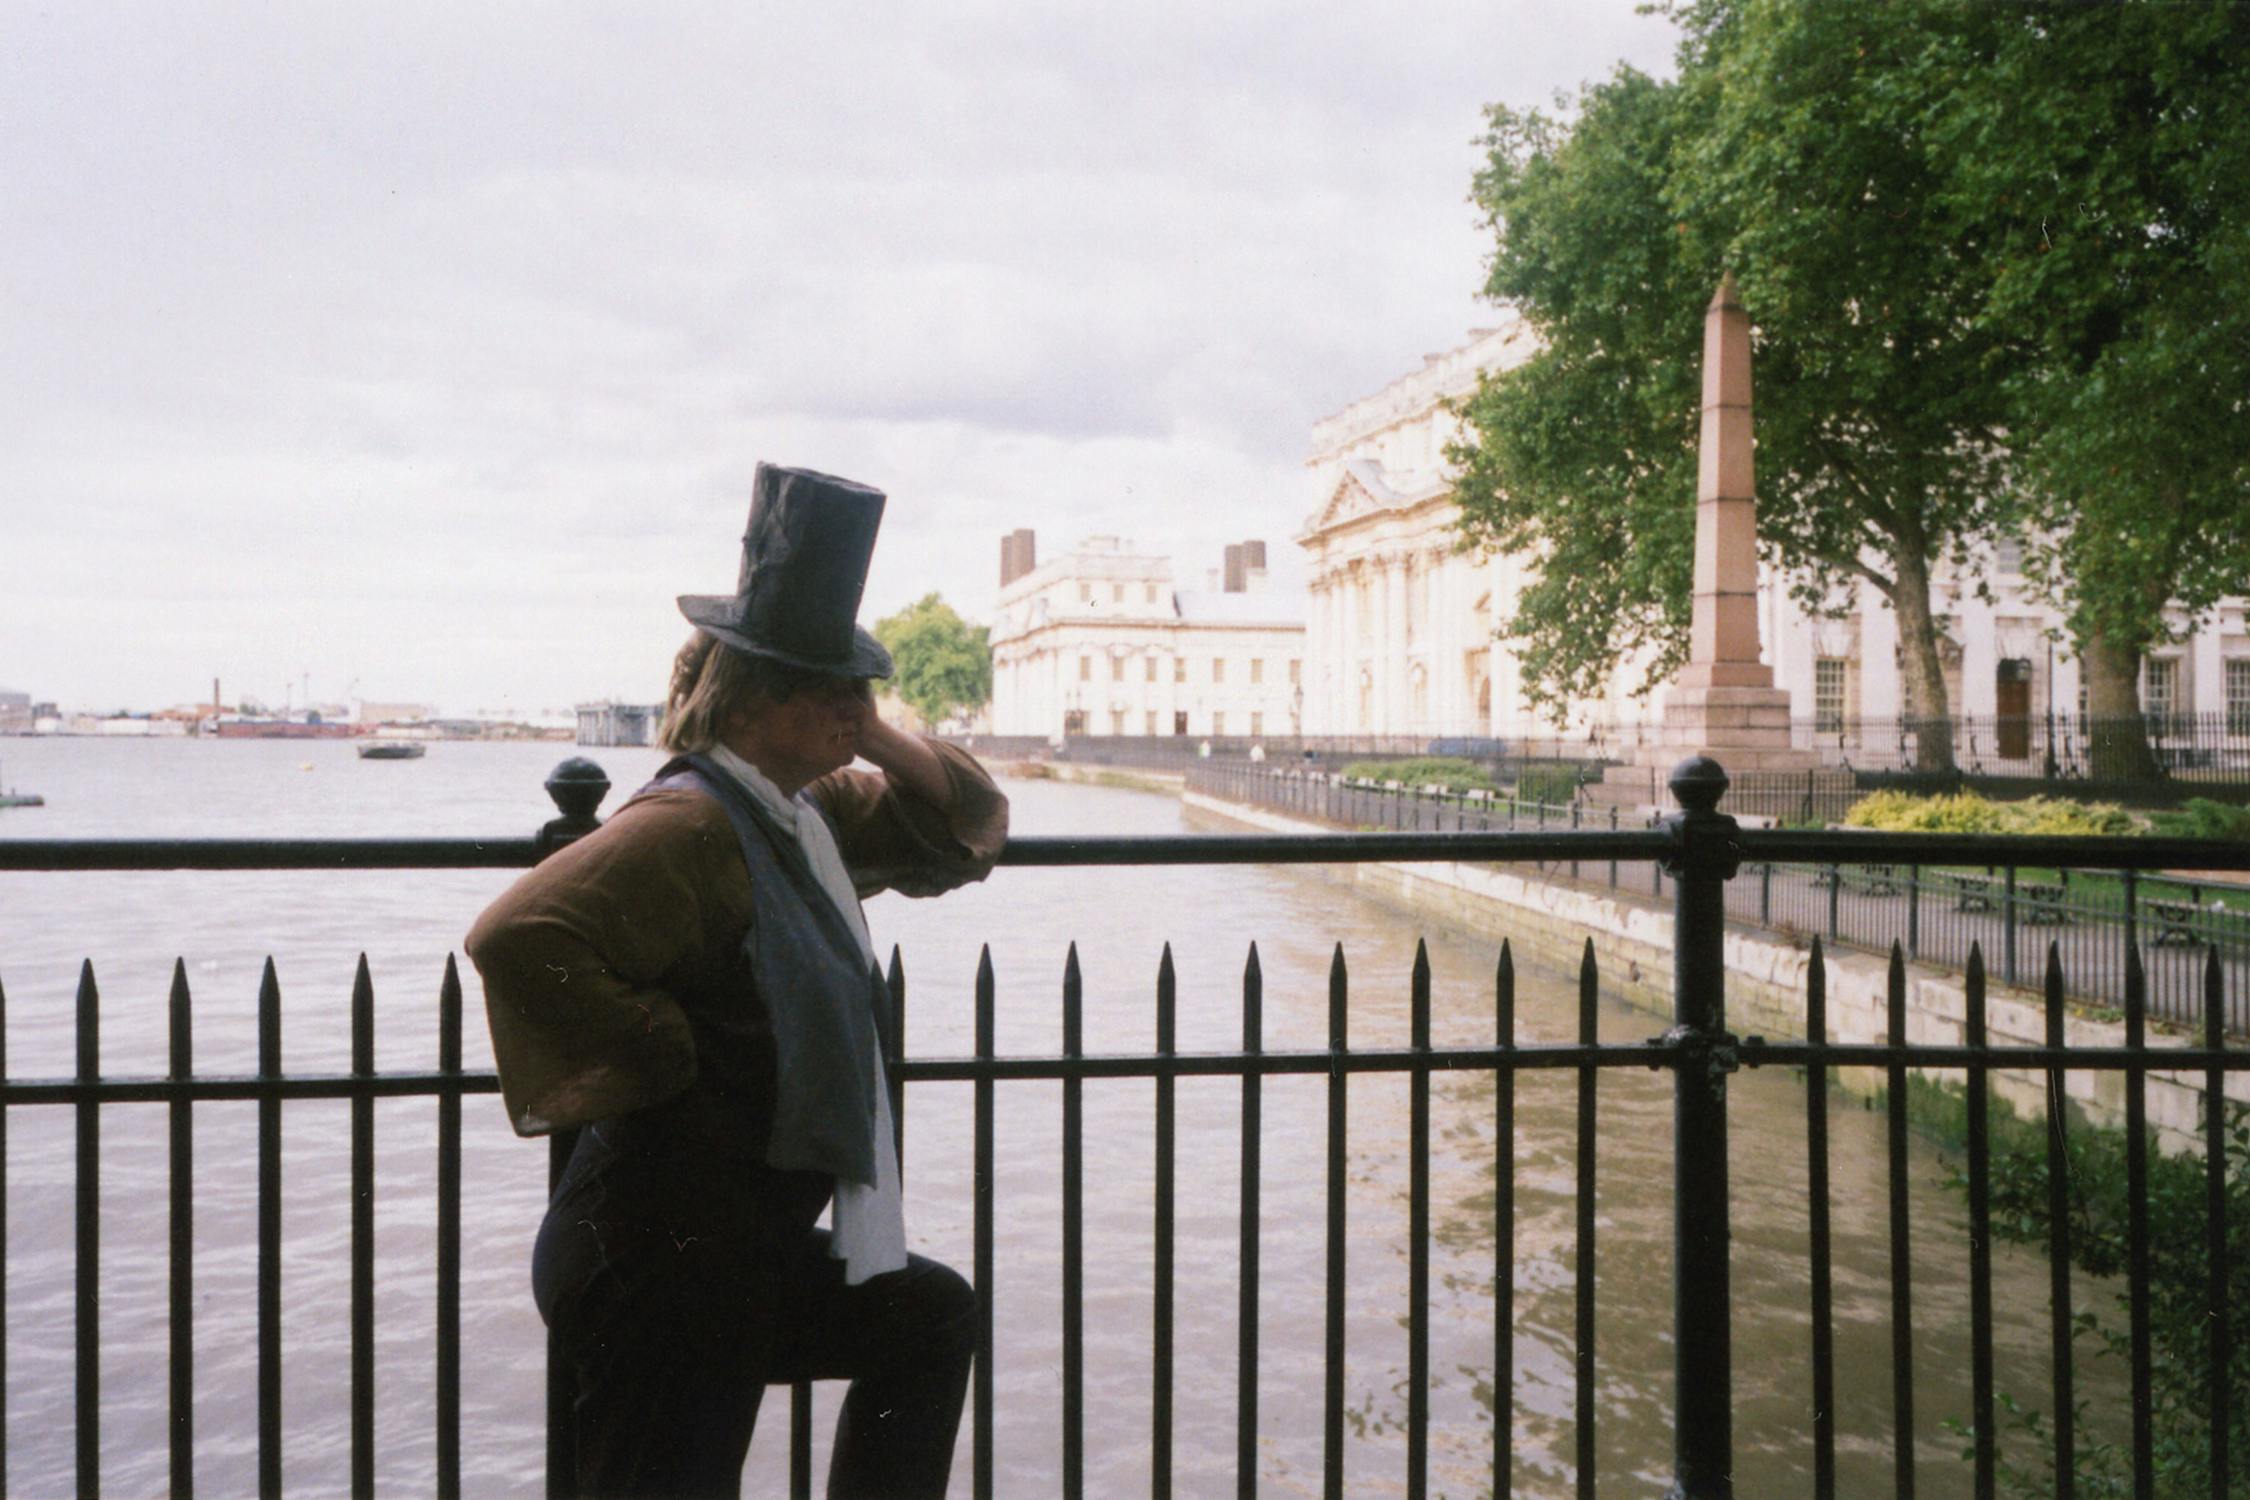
1930,720
2117,746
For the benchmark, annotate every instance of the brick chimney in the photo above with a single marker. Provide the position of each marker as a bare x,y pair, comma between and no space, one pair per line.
1019,554
1245,567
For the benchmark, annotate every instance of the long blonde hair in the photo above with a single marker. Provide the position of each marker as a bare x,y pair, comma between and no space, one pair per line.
709,685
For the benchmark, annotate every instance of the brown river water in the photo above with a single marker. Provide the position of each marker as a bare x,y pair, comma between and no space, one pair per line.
314,926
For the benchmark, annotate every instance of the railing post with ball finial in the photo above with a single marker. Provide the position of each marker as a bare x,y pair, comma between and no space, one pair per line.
1705,858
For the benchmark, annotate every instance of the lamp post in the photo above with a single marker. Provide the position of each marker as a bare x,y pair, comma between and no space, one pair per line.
2048,765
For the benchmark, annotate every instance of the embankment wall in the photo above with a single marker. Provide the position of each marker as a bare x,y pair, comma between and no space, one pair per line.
1550,924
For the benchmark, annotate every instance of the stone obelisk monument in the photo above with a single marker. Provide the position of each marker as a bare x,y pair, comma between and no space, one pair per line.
1723,704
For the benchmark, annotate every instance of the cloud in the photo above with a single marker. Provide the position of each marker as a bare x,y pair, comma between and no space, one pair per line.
432,346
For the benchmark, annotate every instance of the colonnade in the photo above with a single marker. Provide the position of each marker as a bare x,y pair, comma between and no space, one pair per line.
1382,665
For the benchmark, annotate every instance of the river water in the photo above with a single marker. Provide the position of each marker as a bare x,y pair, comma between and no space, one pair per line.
314,927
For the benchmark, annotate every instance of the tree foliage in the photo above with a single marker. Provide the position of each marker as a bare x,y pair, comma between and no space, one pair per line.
944,665
2109,149
2097,1207
1887,184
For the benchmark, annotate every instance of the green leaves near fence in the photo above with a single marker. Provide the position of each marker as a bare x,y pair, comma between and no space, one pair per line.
2179,1321
1429,770
1966,812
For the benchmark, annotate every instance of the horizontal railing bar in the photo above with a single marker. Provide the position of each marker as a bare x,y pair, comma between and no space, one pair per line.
236,1088
1524,1058
1803,846
268,854
1649,1054
2109,1059
1851,847
1335,848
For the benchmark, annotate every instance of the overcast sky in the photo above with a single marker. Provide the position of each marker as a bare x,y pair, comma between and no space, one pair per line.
424,351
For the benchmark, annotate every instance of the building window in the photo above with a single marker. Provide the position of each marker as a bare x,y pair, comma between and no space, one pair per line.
1149,722
1828,694
1257,725
1218,722
1117,669
2160,687
1296,671
2238,695
1117,721
2008,556
1117,593
1085,668
1179,672
1218,669
1257,669
1152,673
1152,593
1085,593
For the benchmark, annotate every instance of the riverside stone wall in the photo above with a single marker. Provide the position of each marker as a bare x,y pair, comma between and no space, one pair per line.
1549,924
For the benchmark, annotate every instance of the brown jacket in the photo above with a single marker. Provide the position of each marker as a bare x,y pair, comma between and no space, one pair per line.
586,957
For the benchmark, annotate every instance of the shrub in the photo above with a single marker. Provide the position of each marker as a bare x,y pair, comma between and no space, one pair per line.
2179,1318
1966,812
2201,818
1556,784
1430,770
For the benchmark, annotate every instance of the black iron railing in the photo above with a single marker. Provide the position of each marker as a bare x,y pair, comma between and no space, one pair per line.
1698,852
1935,914
2207,752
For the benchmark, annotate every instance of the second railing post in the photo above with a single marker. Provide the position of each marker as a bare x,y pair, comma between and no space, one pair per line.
1705,857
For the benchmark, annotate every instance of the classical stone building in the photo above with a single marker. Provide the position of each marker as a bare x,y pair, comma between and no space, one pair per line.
2007,664
1101,641
1400,622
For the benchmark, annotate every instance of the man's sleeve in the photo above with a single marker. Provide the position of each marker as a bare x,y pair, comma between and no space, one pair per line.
893,840
573,955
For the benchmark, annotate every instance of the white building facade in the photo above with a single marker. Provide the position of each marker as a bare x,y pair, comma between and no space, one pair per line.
1401,623
1100,641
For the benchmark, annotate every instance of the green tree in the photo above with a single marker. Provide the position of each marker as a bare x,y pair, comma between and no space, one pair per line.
944,665
2108,149
1787,151
1929,369
1584,457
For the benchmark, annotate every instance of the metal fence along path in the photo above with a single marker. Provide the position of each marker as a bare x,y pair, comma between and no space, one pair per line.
1697,857
1937,912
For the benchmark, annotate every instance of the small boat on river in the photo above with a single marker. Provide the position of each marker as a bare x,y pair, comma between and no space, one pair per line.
391,749
10,797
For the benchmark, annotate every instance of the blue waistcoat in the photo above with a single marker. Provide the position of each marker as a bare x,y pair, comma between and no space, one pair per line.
825,1002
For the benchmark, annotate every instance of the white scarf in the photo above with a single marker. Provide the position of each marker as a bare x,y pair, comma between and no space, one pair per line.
870,1221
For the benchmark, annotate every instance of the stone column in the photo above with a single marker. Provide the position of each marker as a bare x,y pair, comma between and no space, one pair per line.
1723,625
1723,703
1447,692
1358,618
1393,623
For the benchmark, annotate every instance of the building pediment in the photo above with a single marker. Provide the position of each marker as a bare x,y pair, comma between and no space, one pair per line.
1364,490
1359,492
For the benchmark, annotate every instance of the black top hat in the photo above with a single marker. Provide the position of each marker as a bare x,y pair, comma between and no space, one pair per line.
804,566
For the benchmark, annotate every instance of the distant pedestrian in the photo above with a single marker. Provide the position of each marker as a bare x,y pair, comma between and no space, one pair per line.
694,987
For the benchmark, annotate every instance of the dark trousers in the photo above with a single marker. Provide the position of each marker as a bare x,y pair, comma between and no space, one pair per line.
674,1338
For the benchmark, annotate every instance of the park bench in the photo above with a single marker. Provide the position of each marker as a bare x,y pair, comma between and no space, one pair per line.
2175,921
2043,905
1971,892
